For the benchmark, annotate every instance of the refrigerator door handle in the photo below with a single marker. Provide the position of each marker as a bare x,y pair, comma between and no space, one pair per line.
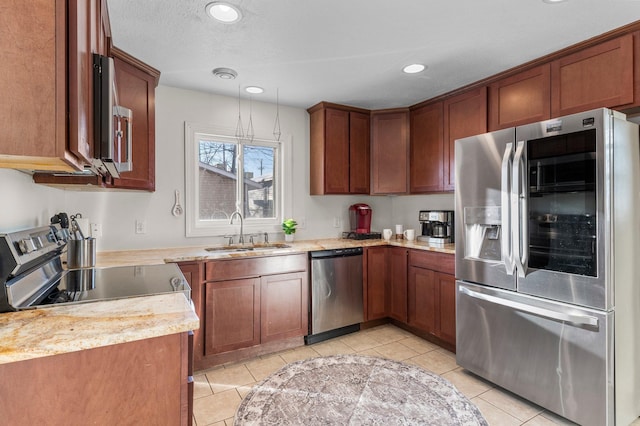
507,248
575,319
519,223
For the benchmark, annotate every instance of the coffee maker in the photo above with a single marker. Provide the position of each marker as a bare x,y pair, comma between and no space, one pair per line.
437,226
360,218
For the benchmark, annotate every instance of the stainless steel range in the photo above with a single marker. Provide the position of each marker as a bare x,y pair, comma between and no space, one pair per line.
32,275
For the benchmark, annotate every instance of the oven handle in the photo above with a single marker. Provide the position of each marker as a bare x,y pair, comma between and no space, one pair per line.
578,320
507,249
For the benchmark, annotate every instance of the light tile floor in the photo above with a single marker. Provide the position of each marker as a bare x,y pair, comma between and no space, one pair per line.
219,391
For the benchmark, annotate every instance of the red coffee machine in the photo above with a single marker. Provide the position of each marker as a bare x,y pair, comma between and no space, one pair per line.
360,218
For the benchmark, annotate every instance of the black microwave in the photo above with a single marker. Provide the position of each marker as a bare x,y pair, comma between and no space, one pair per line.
112,122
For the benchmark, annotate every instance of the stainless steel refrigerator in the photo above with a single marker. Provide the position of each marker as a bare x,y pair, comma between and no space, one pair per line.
548,263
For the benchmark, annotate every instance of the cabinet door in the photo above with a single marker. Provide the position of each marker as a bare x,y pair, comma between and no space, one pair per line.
336,151
390,152
359,153
520,99
427,149
232,314
284,308
423,299
33,132
136,85
82,44
397,307
447,302
376,283
464,115
600,76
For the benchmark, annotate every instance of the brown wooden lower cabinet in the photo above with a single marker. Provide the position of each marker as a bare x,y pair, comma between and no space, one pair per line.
375,286
248,307
232,315
432,295
283,309
397,307
144,380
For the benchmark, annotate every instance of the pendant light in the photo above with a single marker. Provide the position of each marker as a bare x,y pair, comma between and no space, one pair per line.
239,129
250,133
276,126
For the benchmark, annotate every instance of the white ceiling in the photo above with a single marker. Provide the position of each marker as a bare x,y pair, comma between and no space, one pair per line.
352,51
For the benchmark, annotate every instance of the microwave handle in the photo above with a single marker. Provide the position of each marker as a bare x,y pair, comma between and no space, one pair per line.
127,115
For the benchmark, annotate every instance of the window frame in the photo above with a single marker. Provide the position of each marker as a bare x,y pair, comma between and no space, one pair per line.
283,165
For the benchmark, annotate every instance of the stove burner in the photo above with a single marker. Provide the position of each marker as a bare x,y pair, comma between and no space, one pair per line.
361,236
59,296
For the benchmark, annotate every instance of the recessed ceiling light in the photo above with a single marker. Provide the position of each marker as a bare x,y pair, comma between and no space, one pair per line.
254,89
413,68
225,73
224,12
553,1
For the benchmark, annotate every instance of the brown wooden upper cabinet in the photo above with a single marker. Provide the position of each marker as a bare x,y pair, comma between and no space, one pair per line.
339,155
390,151
521,98
598,76
136,84
427,148
33,115
464,115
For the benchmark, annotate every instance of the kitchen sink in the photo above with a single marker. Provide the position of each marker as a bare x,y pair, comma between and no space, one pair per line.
247,247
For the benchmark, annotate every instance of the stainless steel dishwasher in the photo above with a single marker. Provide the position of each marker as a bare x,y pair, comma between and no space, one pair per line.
336,293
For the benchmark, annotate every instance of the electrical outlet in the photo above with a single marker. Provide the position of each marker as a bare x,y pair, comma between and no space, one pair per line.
302,222
336,221
141,227
96,230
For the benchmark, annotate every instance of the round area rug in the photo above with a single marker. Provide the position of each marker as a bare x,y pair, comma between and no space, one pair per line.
355,390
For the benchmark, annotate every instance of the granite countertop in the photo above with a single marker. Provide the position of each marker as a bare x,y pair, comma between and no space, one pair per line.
190,254
51,331
60,329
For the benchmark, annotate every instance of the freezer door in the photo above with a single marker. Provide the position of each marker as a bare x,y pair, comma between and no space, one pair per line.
483,185
556,355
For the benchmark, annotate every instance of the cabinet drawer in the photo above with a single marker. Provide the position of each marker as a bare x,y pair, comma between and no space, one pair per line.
440,262
228,269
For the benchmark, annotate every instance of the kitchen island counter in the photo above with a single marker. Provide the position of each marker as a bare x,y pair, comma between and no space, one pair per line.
199,253
57,330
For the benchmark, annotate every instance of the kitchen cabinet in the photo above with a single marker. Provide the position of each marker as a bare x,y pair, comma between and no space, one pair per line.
33,113
144,379
339,151
397,307
431,295
521,98
427,148
283,306
598,76
232,315
390,151
465,115
249,307
136,83
375,282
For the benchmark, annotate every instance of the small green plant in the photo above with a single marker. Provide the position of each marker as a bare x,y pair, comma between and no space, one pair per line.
289,226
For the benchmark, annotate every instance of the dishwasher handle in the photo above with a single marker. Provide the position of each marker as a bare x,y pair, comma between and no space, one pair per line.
345,252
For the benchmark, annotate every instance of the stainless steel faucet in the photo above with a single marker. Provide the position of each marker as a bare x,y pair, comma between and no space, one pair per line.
233,215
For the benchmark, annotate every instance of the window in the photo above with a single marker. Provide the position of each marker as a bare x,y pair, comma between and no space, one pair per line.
224,175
